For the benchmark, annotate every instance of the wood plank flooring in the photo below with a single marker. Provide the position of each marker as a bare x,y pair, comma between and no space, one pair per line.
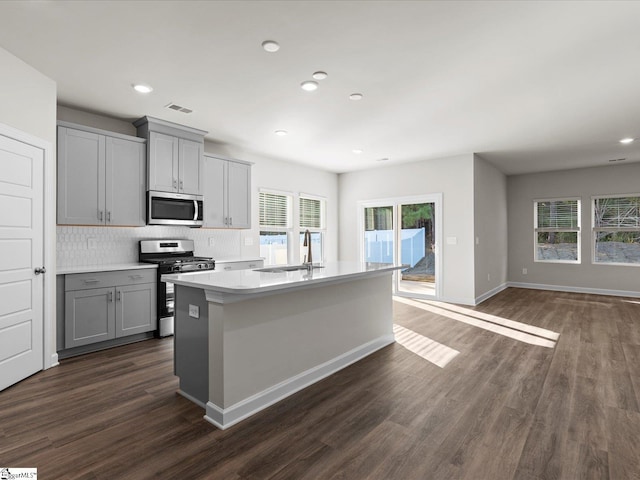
501,409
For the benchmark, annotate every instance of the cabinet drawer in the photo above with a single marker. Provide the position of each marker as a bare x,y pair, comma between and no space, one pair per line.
84,281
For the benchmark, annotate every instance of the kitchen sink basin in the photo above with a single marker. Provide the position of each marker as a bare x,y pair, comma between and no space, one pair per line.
286,268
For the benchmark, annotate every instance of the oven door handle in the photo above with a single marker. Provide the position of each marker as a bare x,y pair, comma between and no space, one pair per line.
195,202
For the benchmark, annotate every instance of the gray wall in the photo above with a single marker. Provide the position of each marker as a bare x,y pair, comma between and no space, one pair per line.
453,177
490,225
583,183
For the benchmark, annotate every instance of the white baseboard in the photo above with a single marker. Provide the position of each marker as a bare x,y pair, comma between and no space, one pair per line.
225,418
491,293
562,288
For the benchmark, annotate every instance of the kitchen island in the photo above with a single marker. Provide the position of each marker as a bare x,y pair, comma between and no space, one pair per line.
246,339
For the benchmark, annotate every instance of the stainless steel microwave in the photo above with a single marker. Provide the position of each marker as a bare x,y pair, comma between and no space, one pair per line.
164,208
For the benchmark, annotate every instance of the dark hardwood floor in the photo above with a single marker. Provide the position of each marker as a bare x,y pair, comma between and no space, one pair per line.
501,409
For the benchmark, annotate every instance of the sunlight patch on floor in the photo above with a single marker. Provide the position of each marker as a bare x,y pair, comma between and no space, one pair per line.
430,350
502,326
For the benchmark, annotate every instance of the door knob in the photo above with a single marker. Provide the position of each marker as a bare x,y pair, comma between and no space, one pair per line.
39,270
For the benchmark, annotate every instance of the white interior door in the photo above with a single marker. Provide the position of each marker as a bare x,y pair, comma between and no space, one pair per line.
21,244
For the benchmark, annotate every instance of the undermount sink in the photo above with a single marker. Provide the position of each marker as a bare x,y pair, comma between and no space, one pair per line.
286,268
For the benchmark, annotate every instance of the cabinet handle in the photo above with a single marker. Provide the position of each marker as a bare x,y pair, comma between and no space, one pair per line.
230,220
100,215
227,268
252,265
119,296
175,183
136,277
181,185
89,281
109,216
110,296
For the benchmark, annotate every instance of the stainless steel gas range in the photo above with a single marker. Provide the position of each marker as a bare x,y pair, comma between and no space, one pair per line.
171,256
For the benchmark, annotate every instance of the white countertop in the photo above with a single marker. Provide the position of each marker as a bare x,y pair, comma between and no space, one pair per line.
248,282
103,268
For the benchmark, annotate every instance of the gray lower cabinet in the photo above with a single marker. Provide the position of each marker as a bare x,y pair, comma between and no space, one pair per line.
227,193
106,305
101,177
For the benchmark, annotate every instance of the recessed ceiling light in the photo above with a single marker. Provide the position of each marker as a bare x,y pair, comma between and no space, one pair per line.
309,85
270,46
385,159
357,151
356,96
142,88
281,133
627,140
319,75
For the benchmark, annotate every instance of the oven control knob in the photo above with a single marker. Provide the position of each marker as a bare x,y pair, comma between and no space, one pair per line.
199,265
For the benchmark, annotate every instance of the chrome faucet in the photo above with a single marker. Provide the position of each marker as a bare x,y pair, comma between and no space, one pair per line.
307,243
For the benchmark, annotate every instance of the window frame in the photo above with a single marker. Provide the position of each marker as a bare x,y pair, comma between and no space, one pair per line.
577,230
595,229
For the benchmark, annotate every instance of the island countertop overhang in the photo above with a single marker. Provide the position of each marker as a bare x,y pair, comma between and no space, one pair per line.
238,285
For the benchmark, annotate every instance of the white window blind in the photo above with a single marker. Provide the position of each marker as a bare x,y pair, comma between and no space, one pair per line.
617,214
311,215
274,210
557,215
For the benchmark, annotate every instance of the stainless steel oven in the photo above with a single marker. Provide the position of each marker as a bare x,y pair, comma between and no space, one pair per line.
171,256
164,208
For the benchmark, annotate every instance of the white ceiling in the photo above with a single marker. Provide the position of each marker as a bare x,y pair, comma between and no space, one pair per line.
530,86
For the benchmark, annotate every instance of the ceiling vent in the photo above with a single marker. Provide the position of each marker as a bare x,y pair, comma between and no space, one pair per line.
617,160
178,108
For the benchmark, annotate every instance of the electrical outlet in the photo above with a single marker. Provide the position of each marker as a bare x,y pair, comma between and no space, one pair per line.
194,311
524,271
488,277
212,242
92,243
477,240
248,241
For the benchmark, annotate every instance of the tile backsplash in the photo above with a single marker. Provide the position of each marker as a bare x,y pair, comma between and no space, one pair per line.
79,246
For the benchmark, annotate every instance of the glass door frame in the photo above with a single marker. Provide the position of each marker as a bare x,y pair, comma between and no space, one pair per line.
395,203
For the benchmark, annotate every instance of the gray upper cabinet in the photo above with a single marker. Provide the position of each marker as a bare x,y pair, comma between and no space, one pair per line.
101,177
227,193
175,154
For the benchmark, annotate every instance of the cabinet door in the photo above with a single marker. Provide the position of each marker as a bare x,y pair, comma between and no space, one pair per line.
163,162
81,170
190,167
89,316
239,195
214,192
125,182
136,309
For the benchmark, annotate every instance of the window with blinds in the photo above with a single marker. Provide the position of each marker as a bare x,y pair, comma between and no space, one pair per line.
275,210
311,213
312,218
275,227
616,230
557,231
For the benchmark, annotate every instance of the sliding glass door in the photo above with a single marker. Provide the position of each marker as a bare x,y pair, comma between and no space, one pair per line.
417,248
406,231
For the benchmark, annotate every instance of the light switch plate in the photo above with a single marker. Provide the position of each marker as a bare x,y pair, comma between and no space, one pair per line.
452,240
248,241
194,311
